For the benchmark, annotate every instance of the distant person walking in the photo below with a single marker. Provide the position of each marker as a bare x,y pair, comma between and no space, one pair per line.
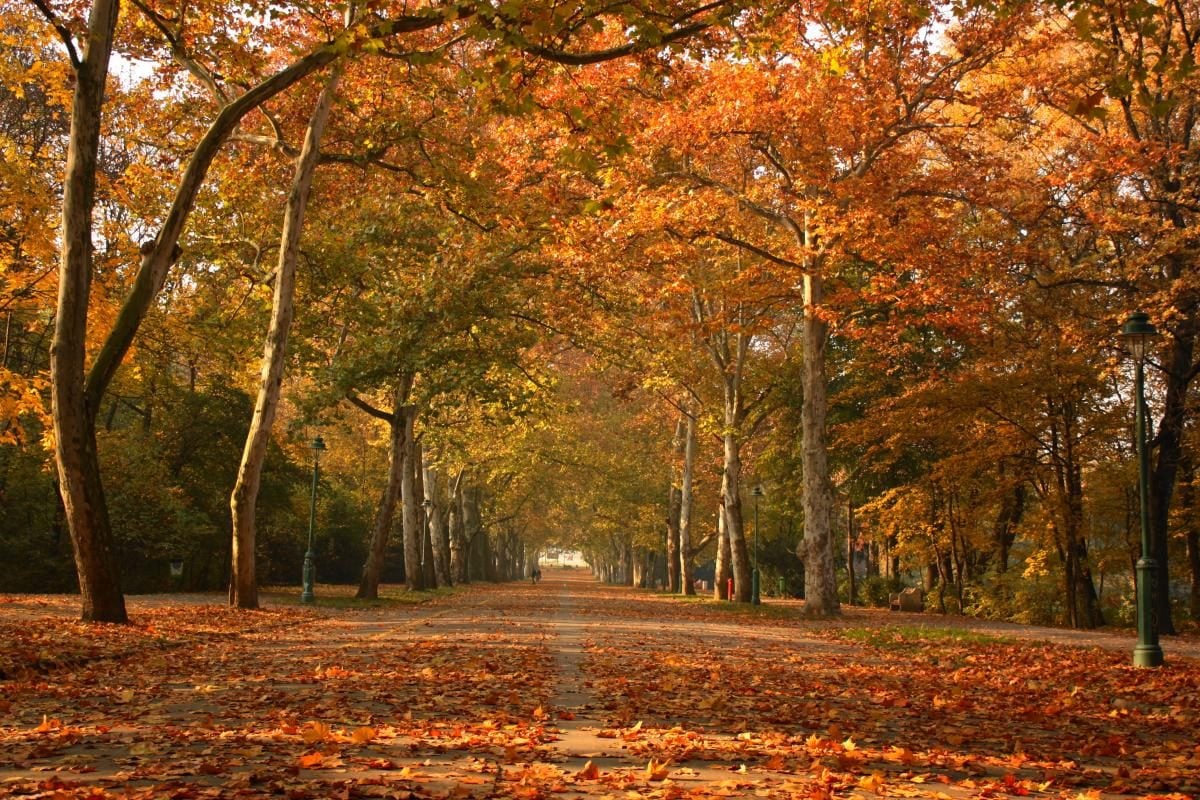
535,575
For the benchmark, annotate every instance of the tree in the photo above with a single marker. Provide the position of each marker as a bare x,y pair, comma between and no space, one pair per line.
243,586
76,387
1125,96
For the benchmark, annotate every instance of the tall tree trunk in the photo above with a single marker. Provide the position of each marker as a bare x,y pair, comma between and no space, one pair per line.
75,399
1004,530
685,508
820,578
1191,526
410,502
428,570
437,530
1164,471
472,531
487,556
724,570
455,527
851,588
734,524
1088,601
73,409
674,500
385,512
244,500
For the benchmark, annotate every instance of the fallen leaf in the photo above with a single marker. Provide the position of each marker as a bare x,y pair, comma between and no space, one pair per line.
656,771
315,731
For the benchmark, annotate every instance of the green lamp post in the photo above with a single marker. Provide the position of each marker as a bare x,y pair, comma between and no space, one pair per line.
755,597
1138,334
307,596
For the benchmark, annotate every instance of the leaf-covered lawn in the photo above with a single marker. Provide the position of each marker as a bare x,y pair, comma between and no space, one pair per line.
472,695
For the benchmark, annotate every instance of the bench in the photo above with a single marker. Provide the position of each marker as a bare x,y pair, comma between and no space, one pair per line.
908,600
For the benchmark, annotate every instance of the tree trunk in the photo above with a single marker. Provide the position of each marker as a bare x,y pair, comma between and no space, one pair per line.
1191,526
244,500
734,526
368,587
428,571
1087,601
414,578
685,509
487,557
454,526
820,578
1166,466
472,531
724,570
674,500
437,530
851,588
1004,531
75,400
73,409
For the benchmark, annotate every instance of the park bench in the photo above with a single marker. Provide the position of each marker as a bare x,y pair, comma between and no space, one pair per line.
912,599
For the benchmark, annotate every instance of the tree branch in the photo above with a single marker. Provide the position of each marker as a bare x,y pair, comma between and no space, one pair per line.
64,32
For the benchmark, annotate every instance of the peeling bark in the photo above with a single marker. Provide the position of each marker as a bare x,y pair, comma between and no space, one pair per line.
244,500
686,555
820,580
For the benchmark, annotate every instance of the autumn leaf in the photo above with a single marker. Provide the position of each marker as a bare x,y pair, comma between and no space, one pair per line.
363,734
48,724
775,763
315,731
656,771
871,783
590,772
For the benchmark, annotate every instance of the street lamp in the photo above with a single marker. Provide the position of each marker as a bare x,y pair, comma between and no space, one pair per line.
1138,334
755,598
318,447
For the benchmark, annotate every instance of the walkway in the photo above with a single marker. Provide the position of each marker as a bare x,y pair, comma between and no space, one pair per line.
572,689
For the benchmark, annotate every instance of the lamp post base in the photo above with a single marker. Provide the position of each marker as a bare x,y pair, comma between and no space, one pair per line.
1147,652
755,597
1147,655
307,595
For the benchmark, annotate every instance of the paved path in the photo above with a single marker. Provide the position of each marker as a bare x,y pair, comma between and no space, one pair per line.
573,689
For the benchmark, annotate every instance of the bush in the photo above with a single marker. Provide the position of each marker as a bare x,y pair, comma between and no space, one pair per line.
876,590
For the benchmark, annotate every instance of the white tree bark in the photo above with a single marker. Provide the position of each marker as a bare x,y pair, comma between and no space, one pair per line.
820,581
723,569
413,576
441,558
243,590
685,507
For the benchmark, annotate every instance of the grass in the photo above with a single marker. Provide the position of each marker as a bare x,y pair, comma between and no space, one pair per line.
342,596
766,609
912,636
